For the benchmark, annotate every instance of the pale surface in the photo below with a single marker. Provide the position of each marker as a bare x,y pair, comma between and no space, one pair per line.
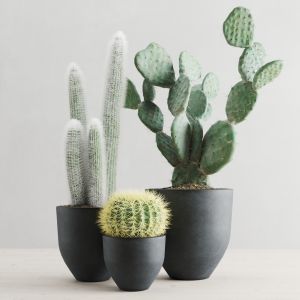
242,275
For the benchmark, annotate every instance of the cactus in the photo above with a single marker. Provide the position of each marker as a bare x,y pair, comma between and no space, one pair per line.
134,215
74,161
195,155
91,152
114,96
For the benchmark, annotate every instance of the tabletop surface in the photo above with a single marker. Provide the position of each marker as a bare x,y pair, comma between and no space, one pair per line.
241,275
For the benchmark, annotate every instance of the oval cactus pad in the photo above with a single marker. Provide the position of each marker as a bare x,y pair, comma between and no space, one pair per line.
155,64
240,102
210,85
267,73
189,66
238,28
151,115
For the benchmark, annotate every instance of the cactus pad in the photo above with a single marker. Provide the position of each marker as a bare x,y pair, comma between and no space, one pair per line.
187,174
155,64
267,73
148,91
251,60
181,135
196,140
189,66
197,103
217,147
178,95
151,115
134,215
166,146
238,28
210,85
133,99
240,102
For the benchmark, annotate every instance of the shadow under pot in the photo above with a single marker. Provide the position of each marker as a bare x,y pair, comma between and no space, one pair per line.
80,243
199,233
134,262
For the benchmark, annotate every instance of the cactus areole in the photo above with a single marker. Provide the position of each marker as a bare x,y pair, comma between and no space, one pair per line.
195,155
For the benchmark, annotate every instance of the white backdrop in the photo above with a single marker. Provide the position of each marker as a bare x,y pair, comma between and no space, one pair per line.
39,38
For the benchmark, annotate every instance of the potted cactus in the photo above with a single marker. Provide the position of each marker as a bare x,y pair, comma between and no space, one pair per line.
133,226
91,157
201,221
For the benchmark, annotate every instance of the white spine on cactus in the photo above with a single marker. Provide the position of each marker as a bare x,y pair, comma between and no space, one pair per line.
97,166
76,94
114,97
74,161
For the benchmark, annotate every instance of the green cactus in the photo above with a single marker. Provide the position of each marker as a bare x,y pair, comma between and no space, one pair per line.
238,28
178,95
132,96
97,164
148,91
194,155
251,60
189,66
76,94
74,162
267,73
134,215
91,154
155,65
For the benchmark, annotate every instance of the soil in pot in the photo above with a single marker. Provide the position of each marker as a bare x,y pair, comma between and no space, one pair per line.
134,262
80,243
199,233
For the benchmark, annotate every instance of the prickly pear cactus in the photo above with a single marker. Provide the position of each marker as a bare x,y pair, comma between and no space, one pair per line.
238,28
134,215
193,154
155,64
132,96
189,66
251,60
267,73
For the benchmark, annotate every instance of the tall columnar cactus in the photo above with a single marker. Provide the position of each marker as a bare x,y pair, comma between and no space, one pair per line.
86,146
134,214
114,98
193,155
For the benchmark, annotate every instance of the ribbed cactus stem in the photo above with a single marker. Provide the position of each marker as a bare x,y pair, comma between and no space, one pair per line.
115,91
76,94
96,166
74,162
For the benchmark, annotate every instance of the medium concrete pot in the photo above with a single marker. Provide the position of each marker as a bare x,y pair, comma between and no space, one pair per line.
80,243
134,262
199,233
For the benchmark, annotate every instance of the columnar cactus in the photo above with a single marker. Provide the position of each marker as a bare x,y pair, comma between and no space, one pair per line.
193,155
134,214
91,152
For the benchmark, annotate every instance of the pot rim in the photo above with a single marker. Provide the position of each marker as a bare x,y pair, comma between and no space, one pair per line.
132,238
76,207
190,190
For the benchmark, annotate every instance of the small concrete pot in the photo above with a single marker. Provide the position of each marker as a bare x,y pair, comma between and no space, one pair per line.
134,262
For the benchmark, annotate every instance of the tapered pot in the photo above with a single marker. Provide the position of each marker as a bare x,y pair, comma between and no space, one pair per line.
134,262
199,233
80,243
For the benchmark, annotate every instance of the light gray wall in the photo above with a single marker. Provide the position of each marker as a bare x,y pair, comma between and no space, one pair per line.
39,39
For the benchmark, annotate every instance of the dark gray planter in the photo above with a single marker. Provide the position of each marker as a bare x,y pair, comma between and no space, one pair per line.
134,262
199,233
80,243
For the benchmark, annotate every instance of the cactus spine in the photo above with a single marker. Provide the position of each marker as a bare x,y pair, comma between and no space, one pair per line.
86,157
193,155
134,214
114,96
